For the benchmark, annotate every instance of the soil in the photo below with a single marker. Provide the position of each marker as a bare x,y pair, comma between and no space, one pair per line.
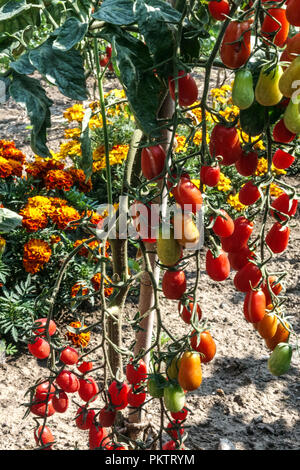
238,400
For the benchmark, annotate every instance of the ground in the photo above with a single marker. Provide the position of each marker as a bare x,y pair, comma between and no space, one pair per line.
239,400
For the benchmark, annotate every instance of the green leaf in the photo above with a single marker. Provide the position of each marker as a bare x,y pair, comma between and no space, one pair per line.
9,220
16,15
117,12
69,34
22,65
28,92
13,8
86,145
62,68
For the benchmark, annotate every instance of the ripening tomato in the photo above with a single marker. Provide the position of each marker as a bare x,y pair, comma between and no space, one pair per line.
180,415
136,372
249,194
210,175
172,445
247,163
219,9
69,356
186,310
247,277
42,409
275,26
190,371
97,437
281,336
275,286
44,437
107,416
85,366
136,396
225,142
284,204
44,392
267,327
40,348
204,345
277,238
292,49
281,134
188,196
103,60
282,160
224,225
174,284
238,259
84,418
145,219
236,46
187,89
67,381
88,389
153,161
293,12
60,402
41,327
243,229
118,393
175,429
256,305
217,268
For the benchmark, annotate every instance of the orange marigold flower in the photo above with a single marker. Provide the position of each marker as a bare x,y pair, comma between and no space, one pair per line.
95,218
63,215
15,154
79,287
17,167
79,179
58,179
81,339
33,218
5,168
37,169
84,251
96,282
55,239
58,202
36,254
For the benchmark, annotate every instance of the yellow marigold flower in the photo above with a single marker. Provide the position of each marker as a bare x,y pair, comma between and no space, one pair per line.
118,154
58,179
5,168
33,218
36,254
277,170
180,143
81,339
234,202
39,201
96,122
224,183
96,282
71,148
275,190
197,138
262,166
57,202
74,113
98,165
64,215
73,133
98,153
230,113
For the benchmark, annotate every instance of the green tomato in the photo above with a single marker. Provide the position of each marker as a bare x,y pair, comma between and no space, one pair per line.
291,117
280,359
156,385
174,397
242,91
267,92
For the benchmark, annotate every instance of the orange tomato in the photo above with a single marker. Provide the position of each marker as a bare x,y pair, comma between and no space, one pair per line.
206,345
267,327
190,371
281,336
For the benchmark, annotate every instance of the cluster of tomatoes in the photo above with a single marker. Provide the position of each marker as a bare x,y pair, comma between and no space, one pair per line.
106,58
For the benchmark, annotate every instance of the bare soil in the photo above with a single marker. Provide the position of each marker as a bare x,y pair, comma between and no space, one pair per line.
238,400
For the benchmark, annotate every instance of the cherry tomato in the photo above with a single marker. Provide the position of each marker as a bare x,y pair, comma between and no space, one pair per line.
84,418
41,324
274,32
225,142
186,310
210,175
136,372
180,415
188,196
42,409
249,194
44,437
292,49
218,10
286,205
172,445
256,305
118,393
174,284
190,371
248,276
175,429
44,392
136,396
85,366
153,161
103,61
187,89
243,229
69,356
204,345
247,163
67,381
88,389
281,336
282,160
281,134
267,327
107,417
224,225
236,46
60,402
217,268
239,258
278,237
97,437
40,348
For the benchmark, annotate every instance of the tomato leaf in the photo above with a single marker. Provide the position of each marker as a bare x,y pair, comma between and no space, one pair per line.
28,92
22,65
17,15
62,68
117,12
69,34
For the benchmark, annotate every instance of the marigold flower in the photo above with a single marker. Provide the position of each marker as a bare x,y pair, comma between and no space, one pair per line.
33,218
17,167
5,168
73,133
81,339
84,251
74,113
14,154
79,179
96,282
55,239
36,254
64,215
58,179
79,287
224,183
70,149
233,200
275,190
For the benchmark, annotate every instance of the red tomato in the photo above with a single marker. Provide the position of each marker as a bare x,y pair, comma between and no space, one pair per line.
97,437
185,311
103,61
175,429
282,160
118,393
188,196
108,51
107,417
84,418
292,49
245,306
85,366
40,348
61,403
136,397
239,258
41,324
249,194
136,372
218,9
42,409
88,389
174,284
67,381
224,225
205,345
247,163
69,356
248,276
44,437
281,134
256,306
293,12
187,89
172,445
274,32
44,392
236,46
284,204
153,161
217,268
277,238
210,175
225,142
243,229
180,415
